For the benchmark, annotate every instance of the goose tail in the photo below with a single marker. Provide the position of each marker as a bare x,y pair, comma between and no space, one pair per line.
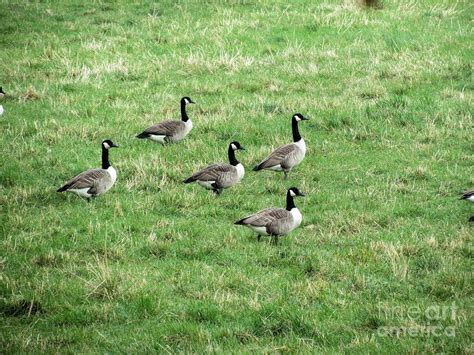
189,180
142,135
241,221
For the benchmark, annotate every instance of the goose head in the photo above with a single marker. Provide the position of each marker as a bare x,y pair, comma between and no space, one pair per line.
186,100
236,146
299,117
107,144
293,191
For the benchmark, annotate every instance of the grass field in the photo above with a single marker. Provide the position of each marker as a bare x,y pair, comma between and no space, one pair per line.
156,265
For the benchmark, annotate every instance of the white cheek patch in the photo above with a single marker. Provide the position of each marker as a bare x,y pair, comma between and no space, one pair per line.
233,146
106,145
186,100
292,193
297,118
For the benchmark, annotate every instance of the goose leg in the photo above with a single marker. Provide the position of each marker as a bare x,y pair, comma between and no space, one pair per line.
471,219
274,239
258,237
286,175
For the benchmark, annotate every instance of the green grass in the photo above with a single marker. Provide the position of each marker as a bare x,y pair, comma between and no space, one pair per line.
156,265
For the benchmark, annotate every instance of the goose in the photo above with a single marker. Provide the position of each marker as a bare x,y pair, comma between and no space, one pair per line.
217,177
275,221
2,93
287,156
170,131
469,196
1,110
94,182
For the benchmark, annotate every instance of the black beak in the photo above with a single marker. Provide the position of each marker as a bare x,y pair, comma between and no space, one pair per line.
114,145
191,102
305,118
301,194
242,148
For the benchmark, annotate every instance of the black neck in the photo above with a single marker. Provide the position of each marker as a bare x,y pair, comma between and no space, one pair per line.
290,204
105,158
184,115
296,132
232,159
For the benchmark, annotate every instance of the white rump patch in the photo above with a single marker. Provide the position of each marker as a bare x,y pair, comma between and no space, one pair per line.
260,230
206,184
156,138
81,192
275,168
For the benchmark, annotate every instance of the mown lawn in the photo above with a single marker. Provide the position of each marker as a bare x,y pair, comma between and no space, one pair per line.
156,265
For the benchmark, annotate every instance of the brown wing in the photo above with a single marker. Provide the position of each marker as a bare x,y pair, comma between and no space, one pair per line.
264,217
87,179
277,156
165,128
280,226
211,173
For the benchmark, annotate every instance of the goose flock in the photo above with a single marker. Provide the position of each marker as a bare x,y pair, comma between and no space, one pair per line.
273,222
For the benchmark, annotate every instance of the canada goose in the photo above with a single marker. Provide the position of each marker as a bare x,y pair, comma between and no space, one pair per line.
469,196
287,156
170,131
217,177
94,182
276,221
